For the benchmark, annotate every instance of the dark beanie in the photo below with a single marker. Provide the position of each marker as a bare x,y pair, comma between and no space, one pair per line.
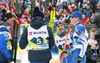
57,23
3,11
7,16
38,12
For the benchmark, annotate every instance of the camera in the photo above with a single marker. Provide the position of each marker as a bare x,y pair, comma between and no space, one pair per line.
97,37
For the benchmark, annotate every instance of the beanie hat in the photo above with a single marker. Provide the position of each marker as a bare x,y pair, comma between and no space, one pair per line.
38,12
77,14
57,23
88,2
7,16
3,11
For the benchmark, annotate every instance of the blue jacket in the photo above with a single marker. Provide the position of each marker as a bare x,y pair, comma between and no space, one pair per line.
5,54
80,38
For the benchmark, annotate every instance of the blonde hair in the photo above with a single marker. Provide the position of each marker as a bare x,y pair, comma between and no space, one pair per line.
93,30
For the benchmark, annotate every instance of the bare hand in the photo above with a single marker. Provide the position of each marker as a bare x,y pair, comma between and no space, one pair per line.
94,46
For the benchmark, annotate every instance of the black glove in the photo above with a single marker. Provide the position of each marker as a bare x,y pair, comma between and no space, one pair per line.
79,59
10,59
90,52
64,52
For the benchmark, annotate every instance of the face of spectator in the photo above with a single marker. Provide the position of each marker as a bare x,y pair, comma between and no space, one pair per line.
23,16
88,7
93,14
29,15
46,8
92,35
21,4
98,6
83,16
83,1
37,0
74,1
25,12
61,18
52,0
71,9
26,0
49,4
64,11
59,3
0,9
10,21
69,2
60,28
53,8
29,6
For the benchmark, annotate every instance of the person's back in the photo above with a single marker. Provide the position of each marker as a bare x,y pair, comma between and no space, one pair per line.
40,39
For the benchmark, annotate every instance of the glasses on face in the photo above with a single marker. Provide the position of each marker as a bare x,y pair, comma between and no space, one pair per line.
72,16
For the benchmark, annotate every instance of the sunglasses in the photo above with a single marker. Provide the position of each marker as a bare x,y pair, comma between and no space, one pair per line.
72,16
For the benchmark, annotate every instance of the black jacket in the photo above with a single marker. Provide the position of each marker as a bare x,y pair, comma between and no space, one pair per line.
37,55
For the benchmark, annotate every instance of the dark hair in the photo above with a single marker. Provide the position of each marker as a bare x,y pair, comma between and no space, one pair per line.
97,20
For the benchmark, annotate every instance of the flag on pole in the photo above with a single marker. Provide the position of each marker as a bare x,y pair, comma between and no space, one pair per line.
52,19
17,20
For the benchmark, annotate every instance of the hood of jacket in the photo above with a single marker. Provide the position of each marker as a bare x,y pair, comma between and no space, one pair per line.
37,22
4,23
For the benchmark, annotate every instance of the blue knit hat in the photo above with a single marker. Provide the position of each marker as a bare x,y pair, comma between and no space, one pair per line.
77,14
57,23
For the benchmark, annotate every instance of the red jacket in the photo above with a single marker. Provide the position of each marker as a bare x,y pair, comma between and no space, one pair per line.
83,21
68,7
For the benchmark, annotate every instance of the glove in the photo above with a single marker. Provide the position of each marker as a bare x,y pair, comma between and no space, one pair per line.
63,52
75,37
66,53
10,59
79,59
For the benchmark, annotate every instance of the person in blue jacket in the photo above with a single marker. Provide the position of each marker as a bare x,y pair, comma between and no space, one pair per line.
60,38
39,37
6,52
79,38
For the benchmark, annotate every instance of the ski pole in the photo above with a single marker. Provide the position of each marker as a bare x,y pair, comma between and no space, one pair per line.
65,43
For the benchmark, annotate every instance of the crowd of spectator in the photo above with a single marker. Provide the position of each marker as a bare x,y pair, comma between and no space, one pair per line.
63,8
